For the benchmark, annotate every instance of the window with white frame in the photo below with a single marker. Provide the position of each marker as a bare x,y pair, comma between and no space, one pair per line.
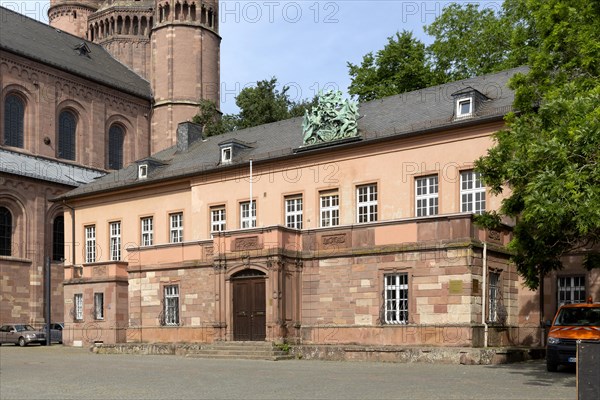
115,241
90,244
143,171
426,196
329,209
472,192
247,219
147,231
464,107
78,306
366,203
571,289
293,212
226,154
218,219
493,296
171,301
99,305
176,223
396,299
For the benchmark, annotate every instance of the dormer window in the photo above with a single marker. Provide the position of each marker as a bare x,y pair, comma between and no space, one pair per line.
464,108
226,154
142,171
83,49
468,103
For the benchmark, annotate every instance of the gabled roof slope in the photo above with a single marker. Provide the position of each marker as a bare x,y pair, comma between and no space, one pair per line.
412,113
32,39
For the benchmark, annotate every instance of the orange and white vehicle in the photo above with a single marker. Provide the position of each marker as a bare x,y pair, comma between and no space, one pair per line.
572,322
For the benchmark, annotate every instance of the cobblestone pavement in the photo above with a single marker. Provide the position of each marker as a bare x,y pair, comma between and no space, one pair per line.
58,372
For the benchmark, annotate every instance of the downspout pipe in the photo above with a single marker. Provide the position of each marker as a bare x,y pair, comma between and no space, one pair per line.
484,295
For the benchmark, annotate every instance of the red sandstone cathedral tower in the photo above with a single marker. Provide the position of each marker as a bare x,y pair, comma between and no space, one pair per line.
174,44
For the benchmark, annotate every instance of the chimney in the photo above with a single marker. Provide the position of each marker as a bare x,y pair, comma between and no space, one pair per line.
187,134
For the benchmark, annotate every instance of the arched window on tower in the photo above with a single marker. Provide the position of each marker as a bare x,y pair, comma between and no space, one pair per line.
167,11
203,15
116,135
58,239
6,230
14,117
136,26
67,128
178,12
119,25
144,26
127,25
193,11
186,11
210,18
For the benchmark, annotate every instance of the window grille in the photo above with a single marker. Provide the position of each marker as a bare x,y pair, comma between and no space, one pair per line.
6,229
147,232
78,305
99,305
571,289
247,220
218,219
396,298
58,239
171,305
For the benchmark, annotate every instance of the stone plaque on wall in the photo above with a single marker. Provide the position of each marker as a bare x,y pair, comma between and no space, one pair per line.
494,236
247,243
334,241
99,271
455,287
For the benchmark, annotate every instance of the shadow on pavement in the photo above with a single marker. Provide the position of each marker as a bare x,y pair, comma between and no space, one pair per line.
536,370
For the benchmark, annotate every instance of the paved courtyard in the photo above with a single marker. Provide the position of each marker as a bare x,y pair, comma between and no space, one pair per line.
67,373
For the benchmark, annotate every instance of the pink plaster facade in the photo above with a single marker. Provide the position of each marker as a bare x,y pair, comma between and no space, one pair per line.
322,285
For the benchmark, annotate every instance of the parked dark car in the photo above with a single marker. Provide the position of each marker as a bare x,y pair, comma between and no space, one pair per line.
21,334
56,331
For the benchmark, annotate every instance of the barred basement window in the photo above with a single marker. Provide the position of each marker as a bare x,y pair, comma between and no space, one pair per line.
116,134
571,289
115,241
67,128
90,244
426,196
494,296
171,305
14,117
78,306
99,305
176,222
366,203
472,192
293,212
396,298
330,209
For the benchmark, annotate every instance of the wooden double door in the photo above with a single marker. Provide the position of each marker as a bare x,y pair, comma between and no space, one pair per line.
249,311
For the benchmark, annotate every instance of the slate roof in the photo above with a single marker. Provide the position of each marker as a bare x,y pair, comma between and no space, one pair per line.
410,113
32,39
44,169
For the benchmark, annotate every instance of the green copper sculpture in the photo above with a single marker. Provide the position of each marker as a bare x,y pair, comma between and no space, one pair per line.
331,119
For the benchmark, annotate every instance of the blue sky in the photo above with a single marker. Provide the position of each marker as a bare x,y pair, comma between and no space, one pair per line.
305,44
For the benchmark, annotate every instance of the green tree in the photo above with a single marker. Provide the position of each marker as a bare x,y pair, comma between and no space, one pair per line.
468,41
262,104
401,66
212,120
549,155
